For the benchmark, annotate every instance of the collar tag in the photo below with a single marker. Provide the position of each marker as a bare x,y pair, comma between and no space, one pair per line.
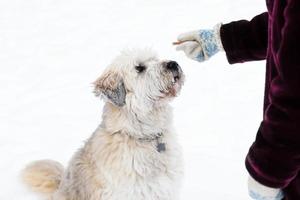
161,147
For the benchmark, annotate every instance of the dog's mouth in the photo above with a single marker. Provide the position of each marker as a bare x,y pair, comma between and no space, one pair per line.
175,85
176,77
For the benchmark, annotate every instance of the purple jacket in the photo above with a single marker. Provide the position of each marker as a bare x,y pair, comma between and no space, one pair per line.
274,158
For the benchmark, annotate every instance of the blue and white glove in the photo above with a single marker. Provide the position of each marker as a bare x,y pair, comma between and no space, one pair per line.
200,45
258,191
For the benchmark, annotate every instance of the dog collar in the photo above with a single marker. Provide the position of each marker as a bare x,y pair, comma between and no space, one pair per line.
160,145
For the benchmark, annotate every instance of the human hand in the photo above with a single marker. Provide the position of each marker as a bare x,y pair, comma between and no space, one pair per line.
200,45
258,191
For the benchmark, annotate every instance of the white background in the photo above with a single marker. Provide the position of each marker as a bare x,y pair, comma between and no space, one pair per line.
51,51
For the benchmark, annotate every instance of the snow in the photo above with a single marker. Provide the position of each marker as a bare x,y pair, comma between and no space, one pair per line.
51,51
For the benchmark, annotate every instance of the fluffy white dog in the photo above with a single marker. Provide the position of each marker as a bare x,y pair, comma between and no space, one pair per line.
133,154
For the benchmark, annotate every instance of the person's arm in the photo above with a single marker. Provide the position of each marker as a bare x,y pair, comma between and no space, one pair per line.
245,40
200,45
274,158
242,41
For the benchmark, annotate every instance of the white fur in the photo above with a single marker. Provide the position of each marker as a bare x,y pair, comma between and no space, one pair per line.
120,161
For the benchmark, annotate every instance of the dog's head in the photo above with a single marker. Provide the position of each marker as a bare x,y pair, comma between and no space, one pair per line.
139,78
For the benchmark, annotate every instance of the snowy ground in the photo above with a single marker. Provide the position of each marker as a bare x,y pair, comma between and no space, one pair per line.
51,51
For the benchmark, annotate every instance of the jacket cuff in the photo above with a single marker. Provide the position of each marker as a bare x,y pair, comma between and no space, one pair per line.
226,30
262,177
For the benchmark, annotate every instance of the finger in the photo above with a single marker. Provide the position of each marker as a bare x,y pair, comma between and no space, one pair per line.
187,46
189,36
200,57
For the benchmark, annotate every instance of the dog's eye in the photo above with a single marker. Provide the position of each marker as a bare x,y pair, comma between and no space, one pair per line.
140,68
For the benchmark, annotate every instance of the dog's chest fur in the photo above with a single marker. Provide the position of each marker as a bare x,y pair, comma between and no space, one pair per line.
114,165
131,169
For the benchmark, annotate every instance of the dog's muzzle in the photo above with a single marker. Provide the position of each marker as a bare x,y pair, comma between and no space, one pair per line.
175,69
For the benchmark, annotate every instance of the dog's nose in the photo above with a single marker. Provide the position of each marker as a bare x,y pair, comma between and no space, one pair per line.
172,65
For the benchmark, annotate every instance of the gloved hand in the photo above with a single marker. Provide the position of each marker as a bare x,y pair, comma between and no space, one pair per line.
258,191
200,45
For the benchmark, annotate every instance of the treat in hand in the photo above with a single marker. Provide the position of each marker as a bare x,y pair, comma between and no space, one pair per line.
200,45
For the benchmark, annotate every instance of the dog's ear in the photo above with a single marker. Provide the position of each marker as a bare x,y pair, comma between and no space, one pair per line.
111,86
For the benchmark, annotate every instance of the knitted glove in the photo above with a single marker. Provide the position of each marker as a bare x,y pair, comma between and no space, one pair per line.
258,191
200,45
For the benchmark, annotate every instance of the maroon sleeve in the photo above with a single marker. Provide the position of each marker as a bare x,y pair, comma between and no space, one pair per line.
245,40
274,158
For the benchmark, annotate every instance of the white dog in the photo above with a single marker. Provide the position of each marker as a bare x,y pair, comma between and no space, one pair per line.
133,154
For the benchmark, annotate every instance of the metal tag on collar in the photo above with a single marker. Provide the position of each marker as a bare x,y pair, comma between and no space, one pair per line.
160,146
